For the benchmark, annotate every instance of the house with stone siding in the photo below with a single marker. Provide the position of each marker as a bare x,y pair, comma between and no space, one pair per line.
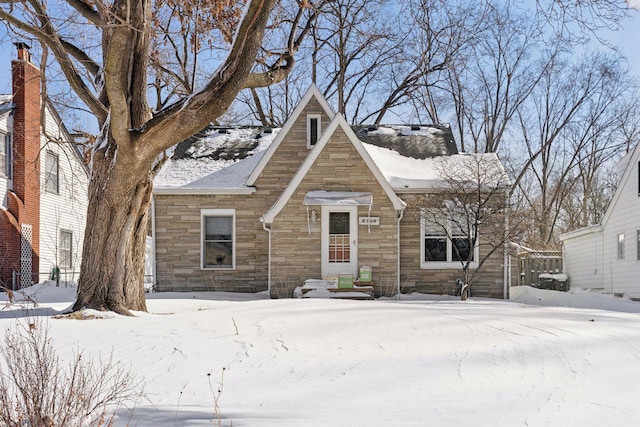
316,199
43,185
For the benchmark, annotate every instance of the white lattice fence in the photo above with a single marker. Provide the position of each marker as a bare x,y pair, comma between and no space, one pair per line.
26,252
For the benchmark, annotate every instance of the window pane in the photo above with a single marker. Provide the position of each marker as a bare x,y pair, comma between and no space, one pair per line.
435,249
51,172
4,148
218,228
218,241
621,246
313,131
339,223
463,253
218,254
66,252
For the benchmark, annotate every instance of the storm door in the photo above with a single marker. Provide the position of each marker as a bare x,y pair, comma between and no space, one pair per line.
339,240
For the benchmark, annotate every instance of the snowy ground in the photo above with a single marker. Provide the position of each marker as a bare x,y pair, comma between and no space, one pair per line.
543,359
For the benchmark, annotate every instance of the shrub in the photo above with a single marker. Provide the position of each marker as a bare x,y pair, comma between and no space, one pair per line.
37,391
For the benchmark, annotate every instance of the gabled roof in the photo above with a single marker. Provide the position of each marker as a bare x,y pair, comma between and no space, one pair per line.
631,163
338,121
312,92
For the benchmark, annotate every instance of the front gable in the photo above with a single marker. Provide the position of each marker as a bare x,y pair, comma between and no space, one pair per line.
289,149
346,160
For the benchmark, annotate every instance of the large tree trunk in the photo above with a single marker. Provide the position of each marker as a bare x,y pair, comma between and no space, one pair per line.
114,244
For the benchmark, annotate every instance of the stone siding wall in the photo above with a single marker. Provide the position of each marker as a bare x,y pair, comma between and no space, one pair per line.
488,283
297,252
179,246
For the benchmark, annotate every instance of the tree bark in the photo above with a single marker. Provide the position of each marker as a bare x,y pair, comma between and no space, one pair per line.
114,245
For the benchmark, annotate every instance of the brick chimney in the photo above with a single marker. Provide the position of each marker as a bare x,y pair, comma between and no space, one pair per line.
22,225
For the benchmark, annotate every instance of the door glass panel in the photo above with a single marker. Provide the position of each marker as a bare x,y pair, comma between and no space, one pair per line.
339,237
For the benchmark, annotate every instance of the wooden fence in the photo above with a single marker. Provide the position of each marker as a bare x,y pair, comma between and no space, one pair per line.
531,264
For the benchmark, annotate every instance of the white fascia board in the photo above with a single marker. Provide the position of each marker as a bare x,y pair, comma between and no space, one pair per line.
312,92
203,191
338,120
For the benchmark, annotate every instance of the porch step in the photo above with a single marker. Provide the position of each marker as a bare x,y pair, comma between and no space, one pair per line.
316,288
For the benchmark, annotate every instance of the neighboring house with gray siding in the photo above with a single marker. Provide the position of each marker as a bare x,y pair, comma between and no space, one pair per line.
314,199
607,256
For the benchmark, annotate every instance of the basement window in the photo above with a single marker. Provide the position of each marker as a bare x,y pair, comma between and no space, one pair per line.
313,129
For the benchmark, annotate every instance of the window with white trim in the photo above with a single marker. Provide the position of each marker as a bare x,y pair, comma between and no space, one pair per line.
6,152
444,242
66,250
52,172
218,238
313,129
620,245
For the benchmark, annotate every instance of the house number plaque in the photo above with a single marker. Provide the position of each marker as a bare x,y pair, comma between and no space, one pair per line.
369,220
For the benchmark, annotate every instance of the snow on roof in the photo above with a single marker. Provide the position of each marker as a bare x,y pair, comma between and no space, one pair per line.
200,166
200,163
407,173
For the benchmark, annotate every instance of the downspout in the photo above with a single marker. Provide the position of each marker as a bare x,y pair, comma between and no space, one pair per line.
400,215
507,267
268,230
153,237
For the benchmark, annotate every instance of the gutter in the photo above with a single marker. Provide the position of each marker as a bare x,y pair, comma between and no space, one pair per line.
268,230
400,216
153,238
182,191
507,259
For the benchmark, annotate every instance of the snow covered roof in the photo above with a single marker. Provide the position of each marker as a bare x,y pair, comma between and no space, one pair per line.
215,158
406,174
220,160
6,103
416,141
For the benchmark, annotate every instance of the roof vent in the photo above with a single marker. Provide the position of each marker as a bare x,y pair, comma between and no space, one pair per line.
415,127
372,128
267,130
223,130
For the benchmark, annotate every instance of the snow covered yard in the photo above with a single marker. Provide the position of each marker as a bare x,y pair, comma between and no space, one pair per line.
421,361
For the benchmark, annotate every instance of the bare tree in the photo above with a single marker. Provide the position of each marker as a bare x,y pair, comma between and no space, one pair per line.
564,127
107,62
470,212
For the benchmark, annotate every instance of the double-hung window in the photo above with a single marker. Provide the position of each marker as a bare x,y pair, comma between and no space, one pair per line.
218,238
52,172
66,250
445,242
6,150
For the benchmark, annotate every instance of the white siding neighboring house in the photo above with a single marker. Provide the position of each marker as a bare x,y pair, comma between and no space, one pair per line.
607,256
43,185
63,203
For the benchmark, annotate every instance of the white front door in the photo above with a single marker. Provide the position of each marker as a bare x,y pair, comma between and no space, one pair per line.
339,240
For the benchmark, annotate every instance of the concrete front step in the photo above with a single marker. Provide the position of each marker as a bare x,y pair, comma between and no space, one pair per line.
316,288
